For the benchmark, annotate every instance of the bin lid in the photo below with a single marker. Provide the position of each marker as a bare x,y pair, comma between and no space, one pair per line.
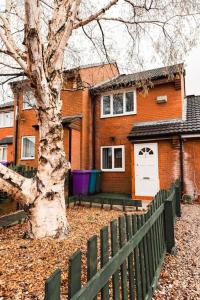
80,171
95,171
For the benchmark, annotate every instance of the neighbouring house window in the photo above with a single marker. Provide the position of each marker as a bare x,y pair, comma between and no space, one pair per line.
28,147
3,153
118,104
28,100
6,119
113,158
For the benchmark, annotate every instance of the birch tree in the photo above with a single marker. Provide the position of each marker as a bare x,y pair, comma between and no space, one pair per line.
37,50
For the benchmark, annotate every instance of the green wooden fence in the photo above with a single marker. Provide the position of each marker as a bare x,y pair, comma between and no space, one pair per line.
132,250
25,171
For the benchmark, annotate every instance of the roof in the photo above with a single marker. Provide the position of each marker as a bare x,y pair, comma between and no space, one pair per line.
138,78
91,66
7,140
7,104
70,71
70,119
169,127
65,120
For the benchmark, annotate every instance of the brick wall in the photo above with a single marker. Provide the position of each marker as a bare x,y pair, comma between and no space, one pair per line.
9,131
74,102
192,167
114,130
76,159
26,119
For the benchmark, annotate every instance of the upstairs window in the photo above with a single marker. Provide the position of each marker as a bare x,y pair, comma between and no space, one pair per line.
118,104
28,147
29,100
113,158
6,119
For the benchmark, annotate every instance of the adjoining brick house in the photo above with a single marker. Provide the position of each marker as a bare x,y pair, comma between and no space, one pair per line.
6,131
76,112
143,142
139,129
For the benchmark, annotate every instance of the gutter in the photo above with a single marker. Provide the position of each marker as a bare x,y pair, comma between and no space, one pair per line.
182,167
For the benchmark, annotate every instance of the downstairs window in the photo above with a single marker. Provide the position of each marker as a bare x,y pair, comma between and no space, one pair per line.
113,158
28,147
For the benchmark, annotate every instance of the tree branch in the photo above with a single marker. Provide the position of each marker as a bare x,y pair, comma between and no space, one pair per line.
12,183
96,15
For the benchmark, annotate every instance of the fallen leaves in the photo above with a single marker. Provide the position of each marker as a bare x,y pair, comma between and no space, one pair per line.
25,264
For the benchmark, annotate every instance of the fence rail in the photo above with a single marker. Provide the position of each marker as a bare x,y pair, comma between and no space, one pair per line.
132,250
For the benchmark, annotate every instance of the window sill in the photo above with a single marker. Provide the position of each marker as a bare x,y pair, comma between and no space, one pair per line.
113,171
28,108
119,115
27,158
6,127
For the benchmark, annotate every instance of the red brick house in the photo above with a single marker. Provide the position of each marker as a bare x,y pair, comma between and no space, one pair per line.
145,141
6,131
76,113
139,129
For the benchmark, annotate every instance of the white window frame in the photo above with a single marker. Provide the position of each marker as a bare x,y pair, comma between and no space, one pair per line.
26,105
1,149
111,115
123,158
4,125
22,145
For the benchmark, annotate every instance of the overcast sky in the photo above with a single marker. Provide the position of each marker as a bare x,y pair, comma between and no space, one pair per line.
193,72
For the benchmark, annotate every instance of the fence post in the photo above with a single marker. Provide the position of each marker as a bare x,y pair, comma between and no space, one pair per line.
178,200
169,226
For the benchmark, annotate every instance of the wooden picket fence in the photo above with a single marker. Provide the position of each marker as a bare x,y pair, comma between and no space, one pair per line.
132,250
25,171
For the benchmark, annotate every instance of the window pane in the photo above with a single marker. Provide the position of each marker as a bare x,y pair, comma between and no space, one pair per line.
106,105
118,157
3,153
28,100
107,158
8,119
129,101
117,104
28,147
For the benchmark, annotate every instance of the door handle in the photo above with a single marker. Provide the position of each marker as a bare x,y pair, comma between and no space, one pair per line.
146,178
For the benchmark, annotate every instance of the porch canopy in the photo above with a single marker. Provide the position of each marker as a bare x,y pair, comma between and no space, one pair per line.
6,141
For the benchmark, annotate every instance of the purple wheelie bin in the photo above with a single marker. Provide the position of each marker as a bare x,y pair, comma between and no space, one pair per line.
80,180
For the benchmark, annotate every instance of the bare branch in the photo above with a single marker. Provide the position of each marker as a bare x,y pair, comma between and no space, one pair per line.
15,183
96,15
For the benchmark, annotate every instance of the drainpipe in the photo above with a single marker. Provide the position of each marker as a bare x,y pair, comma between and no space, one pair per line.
16,130
70,159
70,144
181,166
93,132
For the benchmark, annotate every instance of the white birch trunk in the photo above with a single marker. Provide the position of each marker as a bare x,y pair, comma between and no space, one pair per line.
43,196
48,213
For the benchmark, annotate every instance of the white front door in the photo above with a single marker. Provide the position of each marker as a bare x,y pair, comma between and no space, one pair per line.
146,169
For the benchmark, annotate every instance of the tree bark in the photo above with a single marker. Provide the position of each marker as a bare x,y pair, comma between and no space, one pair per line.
48,214
43,196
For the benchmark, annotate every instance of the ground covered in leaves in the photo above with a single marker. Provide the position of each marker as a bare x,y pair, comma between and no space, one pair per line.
25,264
180,277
